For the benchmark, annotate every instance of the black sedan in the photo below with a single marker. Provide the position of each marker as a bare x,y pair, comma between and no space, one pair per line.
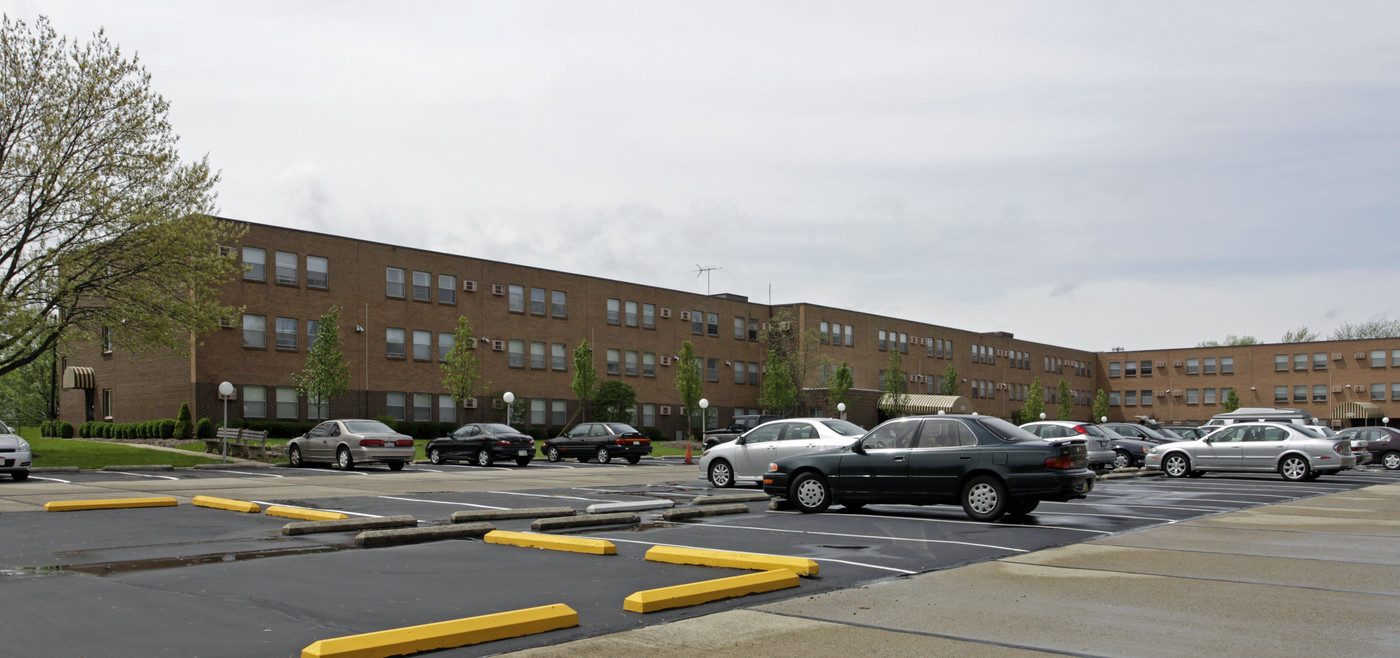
482,444
989,466
602,441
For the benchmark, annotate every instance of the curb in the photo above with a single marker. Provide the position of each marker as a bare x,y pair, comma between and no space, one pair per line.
140,467
584,520
55,469
447,634
468,516
715,499
401,536
732,560
226,465
226,503
551,542
109,503
679,596
341,525
642,505
681,513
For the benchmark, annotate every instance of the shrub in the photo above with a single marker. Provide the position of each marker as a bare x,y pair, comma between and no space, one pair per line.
388,420
65,430
45,428
167,428
204,429
184,429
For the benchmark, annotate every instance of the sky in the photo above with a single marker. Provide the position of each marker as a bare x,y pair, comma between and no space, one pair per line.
1092,174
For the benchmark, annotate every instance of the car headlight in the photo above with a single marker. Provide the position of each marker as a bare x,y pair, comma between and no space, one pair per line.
23,445
772,467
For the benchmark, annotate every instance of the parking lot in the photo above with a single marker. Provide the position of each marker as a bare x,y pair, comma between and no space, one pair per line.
195,581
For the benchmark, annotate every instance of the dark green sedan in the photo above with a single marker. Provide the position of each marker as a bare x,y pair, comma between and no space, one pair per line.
989,466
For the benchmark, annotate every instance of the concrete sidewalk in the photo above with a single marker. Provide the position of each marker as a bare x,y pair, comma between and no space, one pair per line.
1319,576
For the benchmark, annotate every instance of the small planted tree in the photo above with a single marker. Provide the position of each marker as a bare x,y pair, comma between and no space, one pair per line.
585,381
184,427
461,368
326,374
614,402
1100,406
840,388
1066,404
895,390
1035,402
689,384
778,394
950,385
1231,401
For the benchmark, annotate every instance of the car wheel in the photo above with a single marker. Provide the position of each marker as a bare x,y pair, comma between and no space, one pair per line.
435,456
552,453
20,476
1294,468
343,458
294,456
522,461
984,499
396,466
1176,465
1391,461
721,474
485,458
634,459
1121,459
810,493
1022,506
603,456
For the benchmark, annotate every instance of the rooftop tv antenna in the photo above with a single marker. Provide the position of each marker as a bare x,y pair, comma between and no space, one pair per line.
706,271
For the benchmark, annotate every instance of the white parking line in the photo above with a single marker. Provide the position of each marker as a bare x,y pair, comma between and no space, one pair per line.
981,523
517,493
317,509
818,559
266,475
555,466
842,534
143,475
35,477
441,502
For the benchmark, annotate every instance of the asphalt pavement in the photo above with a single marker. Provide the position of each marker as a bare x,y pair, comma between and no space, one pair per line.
1317,576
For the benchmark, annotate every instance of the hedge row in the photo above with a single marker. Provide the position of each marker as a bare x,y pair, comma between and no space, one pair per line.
56,428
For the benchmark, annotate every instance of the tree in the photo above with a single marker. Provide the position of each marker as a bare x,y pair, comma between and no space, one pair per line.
689,384
949,383
461,368
1035,402
326,374
1231,401
1066,404
894,398
614,402
778,394
791,358
839,389
1382,328
1100,406
585,381
104,232
184,422
1230,340
28,391
1300,335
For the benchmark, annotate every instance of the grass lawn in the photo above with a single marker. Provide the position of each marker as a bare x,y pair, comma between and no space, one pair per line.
93,454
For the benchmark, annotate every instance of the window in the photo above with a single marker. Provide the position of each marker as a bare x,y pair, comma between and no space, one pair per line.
255,402
1193,396
712,370
1208,366
516,296
394,405
648,415
1115,369
1280,362
739,372
393,282
904,345
286,333
287,403
1300,393
559,412
286,268
738,328
393,339
537,303
447,289
1114,399
537,355
1146,368
254,332
629,363
753,330
559,356
517,354
254,264
614,362
1319,361
824,332
1300,362
422,407
559,304
1129,398
1395,358
753,373
537,411
614,311
1320,393
1377,360
447,409
1280,394
648,316
107,338
313,327
836,334
318,411
107,403
1395,391
1130,369
1377,392
629,317
1208,397
422,346
317,272
712,324
1146,398
697,322
938,348
882,340
1193,366
445,343
1227,365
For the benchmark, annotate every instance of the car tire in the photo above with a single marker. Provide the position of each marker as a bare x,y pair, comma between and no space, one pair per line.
604,456
396,466
484,458
1391,461
522,461
1294,468
1121,459
721,474
294,457
552,454
810,493
435,456
343,458
20,476
1022,506
984,499
1176,465
634,459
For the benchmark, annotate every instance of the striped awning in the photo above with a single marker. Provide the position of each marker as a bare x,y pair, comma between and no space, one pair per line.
79,377
1349,410
932,404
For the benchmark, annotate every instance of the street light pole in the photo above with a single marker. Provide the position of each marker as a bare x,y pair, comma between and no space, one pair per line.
225,392
509,398
704,404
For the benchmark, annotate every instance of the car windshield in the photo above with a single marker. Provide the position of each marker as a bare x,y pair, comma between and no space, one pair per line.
1170,434
622,428
1006,431
1309,431
497,428
5,429
367,427
844,428
1092,430
1108,432
1151,432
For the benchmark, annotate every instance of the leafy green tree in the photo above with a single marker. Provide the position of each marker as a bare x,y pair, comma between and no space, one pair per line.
949,384
1300,335
1035,402
689,384
895,390
28,391
1066,404
327,374
1100,406
104,232
614,402
1231,401
792,357
1230,340
461,368
778,394
585,382
1381,328
839,390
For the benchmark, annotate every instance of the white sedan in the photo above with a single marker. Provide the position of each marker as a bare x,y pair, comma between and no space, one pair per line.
746,458
15,455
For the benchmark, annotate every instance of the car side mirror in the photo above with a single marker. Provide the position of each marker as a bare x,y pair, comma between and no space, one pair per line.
858,448
739,441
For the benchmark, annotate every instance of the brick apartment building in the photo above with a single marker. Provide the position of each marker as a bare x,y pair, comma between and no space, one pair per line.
400,307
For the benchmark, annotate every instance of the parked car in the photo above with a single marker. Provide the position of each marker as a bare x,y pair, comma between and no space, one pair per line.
1189,431
15,456
601,441
1141,432
1294,451
1261,414
1383,444
1100,448
1358,446
348,443
989,466
482,444
740,424
1127,452
746,458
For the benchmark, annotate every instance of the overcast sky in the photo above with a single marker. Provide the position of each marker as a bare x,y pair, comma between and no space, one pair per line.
1088,174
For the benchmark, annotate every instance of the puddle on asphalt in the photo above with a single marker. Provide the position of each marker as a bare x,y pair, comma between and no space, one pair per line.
132,566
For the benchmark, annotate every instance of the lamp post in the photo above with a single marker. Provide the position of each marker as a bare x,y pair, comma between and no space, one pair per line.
509,398
841,408
704,404
1042,415
225,392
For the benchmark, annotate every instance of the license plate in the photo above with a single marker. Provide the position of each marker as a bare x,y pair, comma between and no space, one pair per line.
521,453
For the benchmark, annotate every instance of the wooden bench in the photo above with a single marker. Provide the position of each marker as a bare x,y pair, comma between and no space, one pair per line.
249,444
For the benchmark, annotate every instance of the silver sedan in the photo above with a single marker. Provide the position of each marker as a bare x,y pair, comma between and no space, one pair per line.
746,458
351,442
15,455
1293,451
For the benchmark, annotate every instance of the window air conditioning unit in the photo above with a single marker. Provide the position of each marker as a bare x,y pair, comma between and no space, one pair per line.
498,289
1002,386
665,312
498,346
1336,356
471,343
226,323
498,404
913,378
469,403
665,410
1176,363
928,341
1360,388
1161,394
785,325
225,250
1360,355
1161,364
1336,389
468,286
763,326
665,360
685,315
1176,393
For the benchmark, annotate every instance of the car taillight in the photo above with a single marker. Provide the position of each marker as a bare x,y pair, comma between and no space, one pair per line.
1343,447
1070,456
1080,429
374,443
404,443
502,442
1061,462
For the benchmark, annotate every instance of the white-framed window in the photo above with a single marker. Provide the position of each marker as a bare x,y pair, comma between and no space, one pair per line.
712,370
712,324
1114,399
559,304
1193,366
882,343
614,363
517,354
753,373
648,316
739,324
1227,365
1319,393
286,333
422,407
558,412
1208,396
447,289
739,372
1395,391
648,415
836,334
445,343
1300,393
255,402
422,286
1146,397
1300,361
321,411
313,327
824,332
1130,368
614,311
287,403
537,411
1377,359
1115,368
629,363
1193,396
1280,362
447,409
286,268
254,264
1280,393
559,356
537,355
254,331
317,272
422,345
516,298
697,322
393,343
629,314
395,405
648,364
1377,392
1129,398
393,282
537,302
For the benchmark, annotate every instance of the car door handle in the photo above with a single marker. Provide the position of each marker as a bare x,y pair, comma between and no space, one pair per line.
964,456
899,459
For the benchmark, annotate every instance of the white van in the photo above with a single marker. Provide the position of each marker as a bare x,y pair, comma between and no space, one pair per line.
1252,414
